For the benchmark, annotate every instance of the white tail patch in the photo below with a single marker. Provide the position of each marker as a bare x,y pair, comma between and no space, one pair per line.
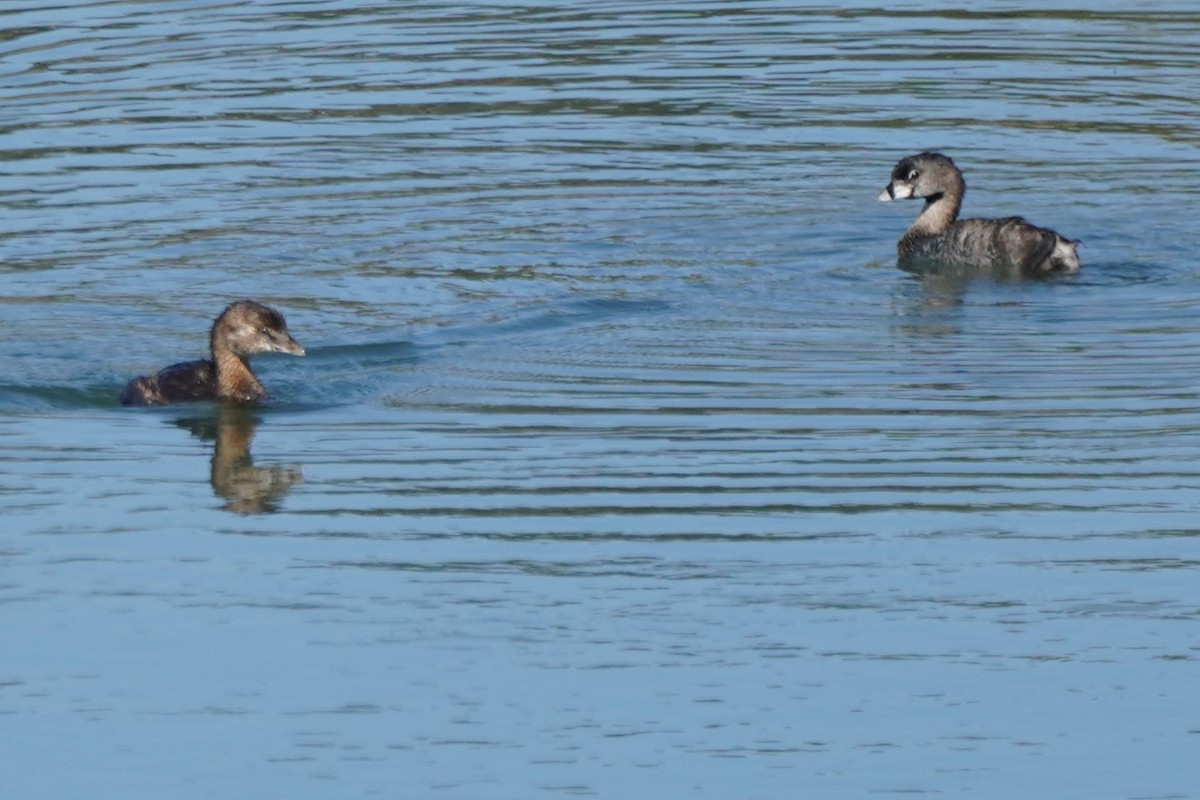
1065,256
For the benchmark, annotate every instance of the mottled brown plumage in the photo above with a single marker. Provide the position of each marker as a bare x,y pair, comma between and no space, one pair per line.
938,235
243,329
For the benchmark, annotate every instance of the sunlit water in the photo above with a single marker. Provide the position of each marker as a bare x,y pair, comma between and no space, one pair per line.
624,461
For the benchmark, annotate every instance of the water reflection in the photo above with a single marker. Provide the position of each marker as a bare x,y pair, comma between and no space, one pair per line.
949,278
938,287
247,489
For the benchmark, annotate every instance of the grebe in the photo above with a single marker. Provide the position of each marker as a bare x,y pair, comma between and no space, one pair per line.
244,329
938,235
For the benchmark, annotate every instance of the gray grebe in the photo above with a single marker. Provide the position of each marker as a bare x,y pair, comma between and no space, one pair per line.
938,235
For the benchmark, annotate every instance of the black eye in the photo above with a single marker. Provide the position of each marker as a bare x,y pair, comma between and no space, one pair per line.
912,175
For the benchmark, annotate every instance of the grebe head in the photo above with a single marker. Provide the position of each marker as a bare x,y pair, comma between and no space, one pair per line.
926,175
246,328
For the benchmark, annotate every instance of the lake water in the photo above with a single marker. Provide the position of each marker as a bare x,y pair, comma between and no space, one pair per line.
624,461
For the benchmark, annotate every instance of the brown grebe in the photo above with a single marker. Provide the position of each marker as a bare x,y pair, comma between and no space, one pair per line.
244,329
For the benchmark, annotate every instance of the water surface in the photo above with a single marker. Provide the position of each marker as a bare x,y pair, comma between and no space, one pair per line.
624,461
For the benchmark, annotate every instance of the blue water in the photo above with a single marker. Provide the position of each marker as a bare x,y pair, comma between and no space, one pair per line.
624,461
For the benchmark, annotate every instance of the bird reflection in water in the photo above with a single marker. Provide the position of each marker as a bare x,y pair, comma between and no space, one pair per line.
246,489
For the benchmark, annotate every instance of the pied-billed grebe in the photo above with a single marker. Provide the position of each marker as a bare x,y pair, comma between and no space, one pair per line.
243,329
938,234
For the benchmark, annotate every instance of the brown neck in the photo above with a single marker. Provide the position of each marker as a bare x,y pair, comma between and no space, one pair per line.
235,381
939,214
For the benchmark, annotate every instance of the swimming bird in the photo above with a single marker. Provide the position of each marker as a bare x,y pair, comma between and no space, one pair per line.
939,236
243,329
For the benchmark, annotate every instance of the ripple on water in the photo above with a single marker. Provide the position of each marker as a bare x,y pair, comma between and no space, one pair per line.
623,454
